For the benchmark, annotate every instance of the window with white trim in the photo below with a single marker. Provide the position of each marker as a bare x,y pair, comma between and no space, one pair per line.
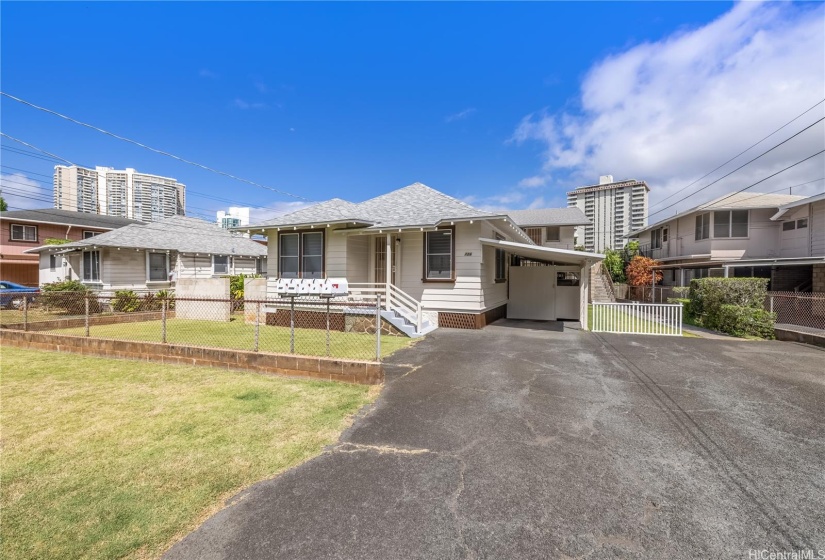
87,234
438,258
301,254
553,233
52,263
220,264
788,226
260,266
802,223
656,238
21,232
91,266
730,223
158,264
702,226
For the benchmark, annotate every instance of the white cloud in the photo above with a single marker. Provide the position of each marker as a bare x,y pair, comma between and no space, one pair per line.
672,110
262,214
535,181
245,105
20,192
206,73
460,115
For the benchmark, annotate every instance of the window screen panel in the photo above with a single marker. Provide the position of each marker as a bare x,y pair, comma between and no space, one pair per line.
739,223
220,264
721,224
157,267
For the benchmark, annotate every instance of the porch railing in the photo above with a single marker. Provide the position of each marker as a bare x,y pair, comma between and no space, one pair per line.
395,299
638,318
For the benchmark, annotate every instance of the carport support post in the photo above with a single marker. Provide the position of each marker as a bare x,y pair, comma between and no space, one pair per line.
25,313
653,286
86,312
378,327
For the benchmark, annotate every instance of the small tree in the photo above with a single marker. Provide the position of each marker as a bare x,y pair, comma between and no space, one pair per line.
3,205
640,272
614,265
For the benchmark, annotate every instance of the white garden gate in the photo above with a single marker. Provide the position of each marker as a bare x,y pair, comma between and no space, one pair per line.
638,318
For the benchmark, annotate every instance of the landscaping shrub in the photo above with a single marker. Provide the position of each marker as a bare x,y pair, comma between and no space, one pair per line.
67,296
732,305
125,301
614,265
744,321
640,273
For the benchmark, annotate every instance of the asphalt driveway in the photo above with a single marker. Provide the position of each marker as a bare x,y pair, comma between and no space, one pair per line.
519,443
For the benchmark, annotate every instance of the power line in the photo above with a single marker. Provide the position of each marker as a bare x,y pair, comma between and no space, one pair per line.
741,166
35,148
743,151
144,146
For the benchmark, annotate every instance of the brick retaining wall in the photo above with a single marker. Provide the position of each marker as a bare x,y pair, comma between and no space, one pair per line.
349,371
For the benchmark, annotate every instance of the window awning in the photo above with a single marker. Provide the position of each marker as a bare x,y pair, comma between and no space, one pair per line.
539,253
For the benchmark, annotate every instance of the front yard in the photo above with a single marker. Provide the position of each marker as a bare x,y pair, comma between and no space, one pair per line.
114,458
240,336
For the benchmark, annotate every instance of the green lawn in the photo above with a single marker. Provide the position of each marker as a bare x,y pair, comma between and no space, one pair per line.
116,458
240,336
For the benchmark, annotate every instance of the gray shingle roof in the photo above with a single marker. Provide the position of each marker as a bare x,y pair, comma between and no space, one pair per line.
68,217
414,205
549,217
178,233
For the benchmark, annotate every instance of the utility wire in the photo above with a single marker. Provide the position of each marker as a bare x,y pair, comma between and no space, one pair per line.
740,167
743,151
151,149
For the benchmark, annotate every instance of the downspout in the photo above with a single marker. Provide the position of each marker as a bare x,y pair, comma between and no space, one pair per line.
67,231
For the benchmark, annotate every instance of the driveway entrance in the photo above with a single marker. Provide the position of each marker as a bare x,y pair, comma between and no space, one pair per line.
514,442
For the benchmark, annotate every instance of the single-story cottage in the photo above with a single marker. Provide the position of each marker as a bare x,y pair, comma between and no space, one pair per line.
436,260
152,256
551,227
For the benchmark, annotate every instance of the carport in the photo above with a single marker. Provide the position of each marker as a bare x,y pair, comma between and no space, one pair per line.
548,284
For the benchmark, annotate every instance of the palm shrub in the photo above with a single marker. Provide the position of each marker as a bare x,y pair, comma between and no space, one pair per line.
126,301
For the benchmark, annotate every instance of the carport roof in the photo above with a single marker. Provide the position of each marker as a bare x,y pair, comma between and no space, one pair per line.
540,253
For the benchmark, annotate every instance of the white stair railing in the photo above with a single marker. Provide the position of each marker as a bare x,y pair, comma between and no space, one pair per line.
395,299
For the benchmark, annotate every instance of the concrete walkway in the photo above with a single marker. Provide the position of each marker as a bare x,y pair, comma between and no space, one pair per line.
526,441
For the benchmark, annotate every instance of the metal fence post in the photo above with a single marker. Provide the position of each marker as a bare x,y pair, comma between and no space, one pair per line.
86,314
771,310
163,321
257,325
292,325
327,326
378,327
25,313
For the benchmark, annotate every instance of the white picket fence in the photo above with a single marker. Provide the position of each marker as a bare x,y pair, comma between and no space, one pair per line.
638,318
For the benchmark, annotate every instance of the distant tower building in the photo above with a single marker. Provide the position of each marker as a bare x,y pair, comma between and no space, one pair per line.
126,193
235,217
614,209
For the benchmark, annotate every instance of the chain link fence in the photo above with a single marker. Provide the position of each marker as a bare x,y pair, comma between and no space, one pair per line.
310,326
795,308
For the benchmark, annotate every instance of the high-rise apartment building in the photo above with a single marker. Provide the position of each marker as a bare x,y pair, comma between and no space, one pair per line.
614,209
235,217
126,193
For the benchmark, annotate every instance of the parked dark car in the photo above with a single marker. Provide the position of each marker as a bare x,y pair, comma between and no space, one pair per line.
12,295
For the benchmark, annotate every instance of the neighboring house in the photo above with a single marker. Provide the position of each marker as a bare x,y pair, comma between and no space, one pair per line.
776,236
437,261
25,229
551,227
152,256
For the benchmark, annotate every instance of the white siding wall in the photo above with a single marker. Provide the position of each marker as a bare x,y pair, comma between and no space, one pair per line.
243,265
492,294
191,266
816,224
124,269
46,274
795,242
336,254
358,258
566,238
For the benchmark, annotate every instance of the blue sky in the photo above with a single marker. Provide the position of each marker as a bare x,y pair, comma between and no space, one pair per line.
503,105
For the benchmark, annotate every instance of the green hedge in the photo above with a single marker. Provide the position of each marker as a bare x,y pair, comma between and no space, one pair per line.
707,294
745,321
732,305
